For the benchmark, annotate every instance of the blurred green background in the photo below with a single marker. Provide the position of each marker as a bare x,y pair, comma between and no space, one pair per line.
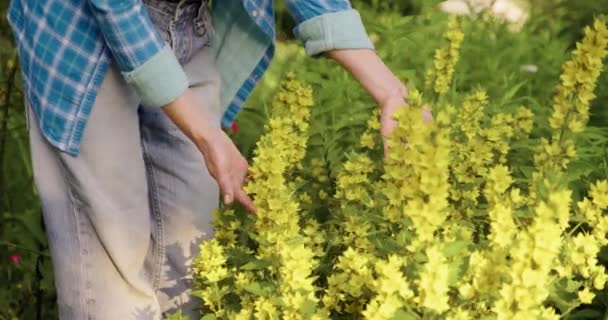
406,33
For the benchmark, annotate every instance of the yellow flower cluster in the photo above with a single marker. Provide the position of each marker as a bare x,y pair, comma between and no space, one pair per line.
392,290
471,154
505,127
209,270
571,103
583,248
433,283
226,227
314,237
533,255
572,100
440,76
352,182
452,230
355,193
416,173
484,277
347,286
503,228
278,152
296,288
478,148
277,226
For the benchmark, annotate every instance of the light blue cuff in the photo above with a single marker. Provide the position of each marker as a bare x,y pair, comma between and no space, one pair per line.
330,31
160,80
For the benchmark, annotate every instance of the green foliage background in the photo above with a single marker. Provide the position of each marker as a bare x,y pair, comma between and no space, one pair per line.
405,32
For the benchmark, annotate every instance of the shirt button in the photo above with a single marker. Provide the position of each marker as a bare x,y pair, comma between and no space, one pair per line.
254,13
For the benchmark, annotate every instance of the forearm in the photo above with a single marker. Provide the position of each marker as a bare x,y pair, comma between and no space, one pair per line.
375,77
188,115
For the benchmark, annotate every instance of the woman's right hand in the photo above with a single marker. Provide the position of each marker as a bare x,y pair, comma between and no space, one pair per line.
224,161
227,166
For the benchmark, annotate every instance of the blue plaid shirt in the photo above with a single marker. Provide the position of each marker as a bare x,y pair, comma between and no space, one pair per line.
66,46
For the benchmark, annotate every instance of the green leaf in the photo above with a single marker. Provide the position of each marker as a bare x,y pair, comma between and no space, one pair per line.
308,308
586,314
562,299
176,316
209,316
385,245
257,289
508,96
256,265
573,286
455,248
404,315
456,271
198,293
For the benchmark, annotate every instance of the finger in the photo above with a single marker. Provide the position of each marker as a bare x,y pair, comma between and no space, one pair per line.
245,172
228,199
226,189
243,198
427,115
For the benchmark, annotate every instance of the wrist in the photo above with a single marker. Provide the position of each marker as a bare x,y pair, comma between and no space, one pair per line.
393,94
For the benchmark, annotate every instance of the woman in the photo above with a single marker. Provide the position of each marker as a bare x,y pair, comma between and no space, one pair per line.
126,99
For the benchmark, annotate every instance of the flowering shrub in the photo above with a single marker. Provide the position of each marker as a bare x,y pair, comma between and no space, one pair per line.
446,227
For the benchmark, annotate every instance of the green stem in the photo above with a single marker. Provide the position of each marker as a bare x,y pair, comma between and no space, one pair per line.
407,307
16,246
563,315
6,103
606,162
578,225
218,297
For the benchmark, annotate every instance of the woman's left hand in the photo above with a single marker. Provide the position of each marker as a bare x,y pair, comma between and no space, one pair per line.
388,107
379,81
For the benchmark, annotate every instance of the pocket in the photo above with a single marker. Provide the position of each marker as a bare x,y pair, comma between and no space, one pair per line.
192,31
161,14
203,23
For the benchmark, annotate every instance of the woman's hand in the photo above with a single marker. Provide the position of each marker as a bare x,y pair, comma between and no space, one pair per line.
379,82
226,165
224,161
389,106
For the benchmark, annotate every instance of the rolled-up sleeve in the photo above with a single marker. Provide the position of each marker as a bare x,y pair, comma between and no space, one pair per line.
147,63
324,25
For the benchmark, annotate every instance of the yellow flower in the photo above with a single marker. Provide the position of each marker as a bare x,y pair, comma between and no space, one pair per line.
367,140
322,194
586,296
599,282
305,198
599,194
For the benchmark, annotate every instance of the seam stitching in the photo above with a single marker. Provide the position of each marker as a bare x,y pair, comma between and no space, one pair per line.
158,251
